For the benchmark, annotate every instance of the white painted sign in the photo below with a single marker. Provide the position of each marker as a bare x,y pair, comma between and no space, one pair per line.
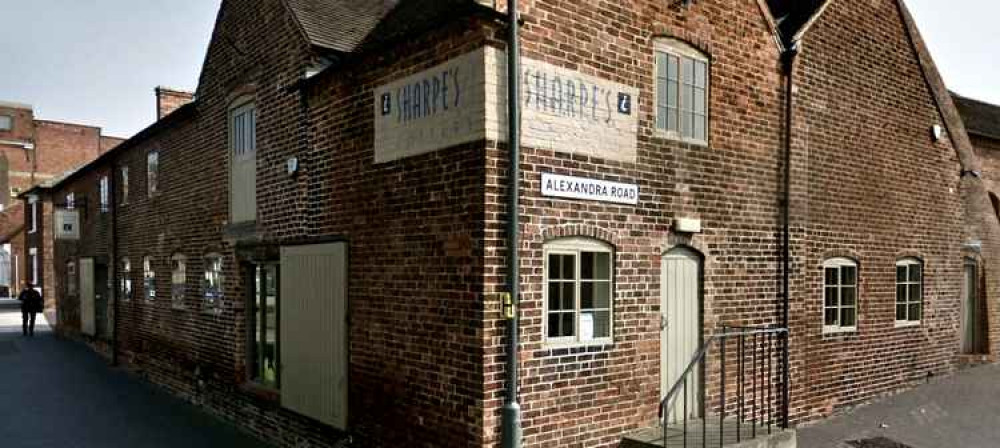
565,110
554,185
435,109
67,224
465,100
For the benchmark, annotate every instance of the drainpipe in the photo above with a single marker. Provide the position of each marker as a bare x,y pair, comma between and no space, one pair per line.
113,264
511,408
788,64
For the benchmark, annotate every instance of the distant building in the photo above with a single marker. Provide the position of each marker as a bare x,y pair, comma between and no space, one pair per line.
32,152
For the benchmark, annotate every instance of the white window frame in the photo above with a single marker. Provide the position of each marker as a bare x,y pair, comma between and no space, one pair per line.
575,246
70,201
213,295
148,278
126,281
33,202
104,186
124,184
907,285
152,173
681,51
6,123
178,280
839,263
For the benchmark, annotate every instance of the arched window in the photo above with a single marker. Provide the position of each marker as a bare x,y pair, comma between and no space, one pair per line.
148,278
578,291
126,280
909,291
682,79
213,281
178,279
840,295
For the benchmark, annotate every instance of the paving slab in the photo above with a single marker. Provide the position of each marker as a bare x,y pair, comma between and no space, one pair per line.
56,393
960,410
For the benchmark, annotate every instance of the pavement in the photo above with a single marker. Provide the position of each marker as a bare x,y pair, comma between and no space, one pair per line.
59,394
961,410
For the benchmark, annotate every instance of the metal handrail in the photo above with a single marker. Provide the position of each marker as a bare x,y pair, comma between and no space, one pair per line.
699,358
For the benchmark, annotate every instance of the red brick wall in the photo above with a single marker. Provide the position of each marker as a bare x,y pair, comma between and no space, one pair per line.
416,259
870,184
592,396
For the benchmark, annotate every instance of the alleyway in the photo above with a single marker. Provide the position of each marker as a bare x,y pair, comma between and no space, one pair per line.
956,411
55,393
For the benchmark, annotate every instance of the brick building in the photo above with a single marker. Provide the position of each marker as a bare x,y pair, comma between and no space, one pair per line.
314,247
33,152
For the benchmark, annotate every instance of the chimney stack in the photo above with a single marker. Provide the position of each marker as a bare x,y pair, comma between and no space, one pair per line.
169,100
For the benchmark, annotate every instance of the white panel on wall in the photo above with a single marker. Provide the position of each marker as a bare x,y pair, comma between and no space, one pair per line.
313,323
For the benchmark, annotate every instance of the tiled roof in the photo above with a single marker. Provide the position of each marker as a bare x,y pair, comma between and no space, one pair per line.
412,17
339,25
979,117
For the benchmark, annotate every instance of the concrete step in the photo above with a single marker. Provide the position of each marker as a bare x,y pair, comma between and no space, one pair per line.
746,437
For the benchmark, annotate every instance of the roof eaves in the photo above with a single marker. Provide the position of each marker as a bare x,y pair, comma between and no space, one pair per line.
342,59
800,34
769,20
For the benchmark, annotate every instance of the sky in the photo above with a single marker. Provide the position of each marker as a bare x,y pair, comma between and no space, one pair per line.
97,62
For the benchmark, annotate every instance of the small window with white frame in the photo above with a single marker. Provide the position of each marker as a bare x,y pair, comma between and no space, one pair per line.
126,280
6,123
840,295
682,86
152,173
105,189
578,291
70,201
213,281
178,279
148,278
909,291
124,184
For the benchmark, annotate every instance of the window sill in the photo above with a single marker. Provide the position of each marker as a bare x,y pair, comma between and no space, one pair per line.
556,345
261,392
839,331
907,324
665,135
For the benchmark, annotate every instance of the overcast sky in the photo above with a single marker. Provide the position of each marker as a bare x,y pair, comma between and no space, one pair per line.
97,61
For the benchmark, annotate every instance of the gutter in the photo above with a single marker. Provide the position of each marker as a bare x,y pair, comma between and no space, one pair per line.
511,420
788,66
113,264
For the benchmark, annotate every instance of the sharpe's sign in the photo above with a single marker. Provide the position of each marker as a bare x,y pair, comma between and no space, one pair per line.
569,187
464,100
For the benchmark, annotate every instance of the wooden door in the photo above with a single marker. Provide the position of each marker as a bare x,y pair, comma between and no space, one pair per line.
681,326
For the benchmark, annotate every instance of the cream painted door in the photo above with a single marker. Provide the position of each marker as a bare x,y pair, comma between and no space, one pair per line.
680,326
313,331
243,157
87,314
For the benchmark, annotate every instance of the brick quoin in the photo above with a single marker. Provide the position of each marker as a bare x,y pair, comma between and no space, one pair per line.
426,232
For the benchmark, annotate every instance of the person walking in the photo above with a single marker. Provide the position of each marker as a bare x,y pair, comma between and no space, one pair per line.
31,305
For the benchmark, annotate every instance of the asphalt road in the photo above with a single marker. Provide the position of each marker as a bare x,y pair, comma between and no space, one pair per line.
962,410
58,394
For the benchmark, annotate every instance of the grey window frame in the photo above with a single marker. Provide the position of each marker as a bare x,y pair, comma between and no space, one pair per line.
665,51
